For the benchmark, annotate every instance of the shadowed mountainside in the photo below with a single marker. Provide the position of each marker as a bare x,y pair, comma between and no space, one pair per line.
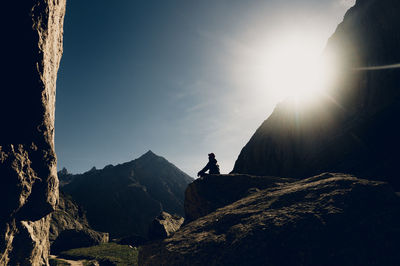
69,222
330,219
124,199
354,129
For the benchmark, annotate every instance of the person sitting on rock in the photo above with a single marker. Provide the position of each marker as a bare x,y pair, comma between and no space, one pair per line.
212,166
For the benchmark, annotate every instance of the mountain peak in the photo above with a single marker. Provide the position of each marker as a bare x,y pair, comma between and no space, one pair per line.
63,171
149,152
149,155
149,184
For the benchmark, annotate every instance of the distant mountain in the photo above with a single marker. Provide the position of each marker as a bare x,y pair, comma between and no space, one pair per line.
124,199
64,177
354,130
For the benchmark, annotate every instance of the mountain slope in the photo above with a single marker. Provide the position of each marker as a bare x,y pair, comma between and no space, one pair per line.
330,219
354,130
124,199
69,221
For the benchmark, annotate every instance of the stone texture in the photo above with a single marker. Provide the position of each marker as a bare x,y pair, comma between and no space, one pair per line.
32,49
206,194
330,219
164,225
354,129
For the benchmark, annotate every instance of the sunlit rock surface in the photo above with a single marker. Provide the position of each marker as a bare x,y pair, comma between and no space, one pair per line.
31,53
330,219
206,194
164,225
354,128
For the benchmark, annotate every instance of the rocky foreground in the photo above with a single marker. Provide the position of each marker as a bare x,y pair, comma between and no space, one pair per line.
209,193
329,219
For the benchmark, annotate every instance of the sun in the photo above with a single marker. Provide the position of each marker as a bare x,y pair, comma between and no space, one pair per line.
295,67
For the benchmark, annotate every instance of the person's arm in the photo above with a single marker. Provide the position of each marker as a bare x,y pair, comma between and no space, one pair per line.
202,171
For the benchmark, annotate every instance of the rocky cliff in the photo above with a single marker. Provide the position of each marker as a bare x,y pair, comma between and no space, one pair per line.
124,199
329,219
31,53
353,129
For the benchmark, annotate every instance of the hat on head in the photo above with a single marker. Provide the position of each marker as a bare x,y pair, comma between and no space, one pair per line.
211,155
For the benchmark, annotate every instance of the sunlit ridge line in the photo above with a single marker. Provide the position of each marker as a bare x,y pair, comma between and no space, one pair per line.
379,67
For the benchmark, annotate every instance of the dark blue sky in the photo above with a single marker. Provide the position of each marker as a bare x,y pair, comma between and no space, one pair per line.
172,76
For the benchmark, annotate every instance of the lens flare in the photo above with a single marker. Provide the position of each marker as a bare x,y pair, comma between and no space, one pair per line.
296,69
392,66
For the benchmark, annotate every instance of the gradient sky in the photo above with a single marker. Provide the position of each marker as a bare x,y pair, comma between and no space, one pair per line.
178,77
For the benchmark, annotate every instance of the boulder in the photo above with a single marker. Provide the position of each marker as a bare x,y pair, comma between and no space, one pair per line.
32,49
206,194
164,226
69,239
329,219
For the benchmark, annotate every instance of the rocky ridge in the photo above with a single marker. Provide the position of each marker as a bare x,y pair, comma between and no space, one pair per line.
207,194
329,219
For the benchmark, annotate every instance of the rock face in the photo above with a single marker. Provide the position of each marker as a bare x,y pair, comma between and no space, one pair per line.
330,219
206,194
69,217
32,49
164,226
354,130
124,199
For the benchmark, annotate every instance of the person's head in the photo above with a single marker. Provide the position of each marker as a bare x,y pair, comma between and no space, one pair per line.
211,156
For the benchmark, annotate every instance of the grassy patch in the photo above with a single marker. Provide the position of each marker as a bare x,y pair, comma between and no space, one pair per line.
120,255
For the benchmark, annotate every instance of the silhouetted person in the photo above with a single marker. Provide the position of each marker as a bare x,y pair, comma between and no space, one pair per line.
212,166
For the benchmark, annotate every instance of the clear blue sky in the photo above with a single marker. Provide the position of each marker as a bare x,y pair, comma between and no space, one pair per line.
174,77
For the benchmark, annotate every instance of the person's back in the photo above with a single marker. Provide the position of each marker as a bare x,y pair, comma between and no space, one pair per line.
212,166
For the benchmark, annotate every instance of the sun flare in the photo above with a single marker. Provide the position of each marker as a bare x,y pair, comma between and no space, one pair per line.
295,68
291,65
